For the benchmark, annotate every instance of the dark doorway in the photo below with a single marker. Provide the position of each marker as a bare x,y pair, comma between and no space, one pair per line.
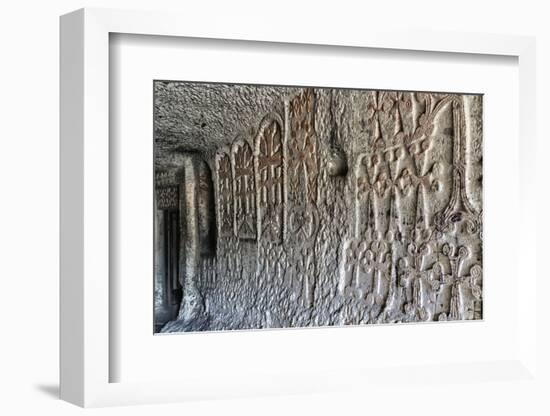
171,258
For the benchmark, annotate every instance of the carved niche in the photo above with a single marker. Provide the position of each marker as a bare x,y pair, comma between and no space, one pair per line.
244,191
270,178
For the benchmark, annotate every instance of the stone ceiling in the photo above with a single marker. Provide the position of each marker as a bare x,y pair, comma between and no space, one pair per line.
200,117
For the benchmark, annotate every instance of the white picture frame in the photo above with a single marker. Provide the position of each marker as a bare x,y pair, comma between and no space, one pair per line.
85,212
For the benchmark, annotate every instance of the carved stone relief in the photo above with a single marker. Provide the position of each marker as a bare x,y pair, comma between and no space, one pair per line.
225,196
340,207
244,191
270,178
167,197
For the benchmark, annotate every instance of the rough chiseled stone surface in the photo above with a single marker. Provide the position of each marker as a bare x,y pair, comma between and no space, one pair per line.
329,206
192,118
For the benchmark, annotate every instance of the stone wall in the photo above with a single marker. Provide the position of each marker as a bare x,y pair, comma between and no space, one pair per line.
344,207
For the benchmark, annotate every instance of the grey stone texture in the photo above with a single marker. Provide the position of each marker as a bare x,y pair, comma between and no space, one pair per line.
315,206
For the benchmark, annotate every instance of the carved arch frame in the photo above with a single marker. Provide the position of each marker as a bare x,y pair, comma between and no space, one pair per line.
270,119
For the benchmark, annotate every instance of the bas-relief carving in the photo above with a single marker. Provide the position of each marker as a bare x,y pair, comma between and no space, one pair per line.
348,207
244,190
410,199
225,196
167,197
270,179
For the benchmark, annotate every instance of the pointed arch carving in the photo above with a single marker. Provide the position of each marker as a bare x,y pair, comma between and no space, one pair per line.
271,178
244,190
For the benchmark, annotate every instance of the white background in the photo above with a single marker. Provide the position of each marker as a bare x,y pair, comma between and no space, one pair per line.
29,208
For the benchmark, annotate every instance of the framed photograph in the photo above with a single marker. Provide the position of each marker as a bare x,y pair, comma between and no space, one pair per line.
293,212
324,207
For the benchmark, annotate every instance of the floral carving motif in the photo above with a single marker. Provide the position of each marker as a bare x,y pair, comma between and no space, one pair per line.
245,191
303,164
270,152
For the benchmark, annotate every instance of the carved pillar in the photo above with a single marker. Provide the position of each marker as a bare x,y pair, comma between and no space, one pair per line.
192,304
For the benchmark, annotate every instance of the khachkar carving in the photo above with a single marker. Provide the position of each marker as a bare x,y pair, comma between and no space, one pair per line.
244,191
410,204
303,173
303,163
168,197
225,196
270,178
366,272
207,272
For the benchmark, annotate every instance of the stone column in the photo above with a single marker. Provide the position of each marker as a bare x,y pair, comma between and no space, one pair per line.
192,306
